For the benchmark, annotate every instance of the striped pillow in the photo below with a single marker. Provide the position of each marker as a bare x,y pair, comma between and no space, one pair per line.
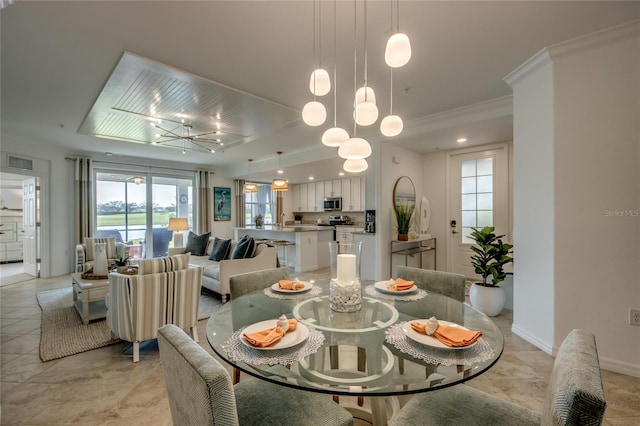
163,264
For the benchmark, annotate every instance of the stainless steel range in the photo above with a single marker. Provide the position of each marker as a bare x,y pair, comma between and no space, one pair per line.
339,220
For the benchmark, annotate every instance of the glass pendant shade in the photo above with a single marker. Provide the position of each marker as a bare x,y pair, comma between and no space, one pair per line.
354,149
314,113
391,125
249,188
334,136
279,185
322,83
398,51
366,113
360,95
355,166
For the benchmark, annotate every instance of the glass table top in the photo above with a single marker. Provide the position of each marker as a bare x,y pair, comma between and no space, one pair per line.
367,353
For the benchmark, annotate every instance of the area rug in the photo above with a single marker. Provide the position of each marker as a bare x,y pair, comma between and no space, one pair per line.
63,333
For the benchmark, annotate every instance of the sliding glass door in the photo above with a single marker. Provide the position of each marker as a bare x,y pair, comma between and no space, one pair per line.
135,209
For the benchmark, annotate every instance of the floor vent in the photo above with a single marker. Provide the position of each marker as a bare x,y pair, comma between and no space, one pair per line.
20,163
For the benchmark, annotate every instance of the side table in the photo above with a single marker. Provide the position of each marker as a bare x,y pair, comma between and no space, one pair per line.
89,297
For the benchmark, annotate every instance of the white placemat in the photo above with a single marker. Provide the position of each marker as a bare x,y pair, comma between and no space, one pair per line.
478,353
238,351
315,291
416,295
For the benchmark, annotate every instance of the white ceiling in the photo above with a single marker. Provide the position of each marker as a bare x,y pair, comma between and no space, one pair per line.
58,56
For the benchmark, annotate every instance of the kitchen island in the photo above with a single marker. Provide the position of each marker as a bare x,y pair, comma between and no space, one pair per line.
311,243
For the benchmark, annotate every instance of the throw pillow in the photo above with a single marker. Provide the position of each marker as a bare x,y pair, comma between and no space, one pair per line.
221,249
197,244
244,249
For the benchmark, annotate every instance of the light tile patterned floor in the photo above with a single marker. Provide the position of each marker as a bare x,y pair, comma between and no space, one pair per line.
103,386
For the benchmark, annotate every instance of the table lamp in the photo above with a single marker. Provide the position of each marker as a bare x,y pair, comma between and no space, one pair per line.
177,225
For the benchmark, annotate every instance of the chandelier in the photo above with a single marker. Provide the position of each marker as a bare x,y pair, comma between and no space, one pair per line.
355,149
203,141
280,184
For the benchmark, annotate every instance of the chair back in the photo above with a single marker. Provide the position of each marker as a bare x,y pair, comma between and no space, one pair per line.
90,242
161,239
199,387
575,395
252,281
104,233
446,283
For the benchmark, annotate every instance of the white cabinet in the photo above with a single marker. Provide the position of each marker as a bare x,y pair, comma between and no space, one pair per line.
333,188
11,237
313,190
295,198
344,234
352,195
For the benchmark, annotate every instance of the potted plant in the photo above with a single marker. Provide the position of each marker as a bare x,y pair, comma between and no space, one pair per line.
123,261
258,221
491,255
403,211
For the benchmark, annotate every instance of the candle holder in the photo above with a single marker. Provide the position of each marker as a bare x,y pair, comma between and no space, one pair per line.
345,289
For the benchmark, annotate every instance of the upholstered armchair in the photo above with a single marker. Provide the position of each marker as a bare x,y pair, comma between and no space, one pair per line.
85,251
165,291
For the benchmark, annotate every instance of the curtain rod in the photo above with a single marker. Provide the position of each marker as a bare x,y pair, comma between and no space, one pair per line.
137,165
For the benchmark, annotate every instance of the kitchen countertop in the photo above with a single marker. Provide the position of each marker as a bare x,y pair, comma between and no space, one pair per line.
297,228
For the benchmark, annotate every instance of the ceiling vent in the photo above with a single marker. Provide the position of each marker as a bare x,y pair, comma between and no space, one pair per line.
20,163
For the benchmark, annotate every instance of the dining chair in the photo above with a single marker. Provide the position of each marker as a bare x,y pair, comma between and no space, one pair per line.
249,282
200,392
575,396
446,283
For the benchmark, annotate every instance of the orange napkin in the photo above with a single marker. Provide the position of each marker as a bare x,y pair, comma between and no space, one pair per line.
400,285
290,285
451,336
268,337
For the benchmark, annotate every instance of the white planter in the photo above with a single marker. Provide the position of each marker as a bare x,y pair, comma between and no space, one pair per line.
488,300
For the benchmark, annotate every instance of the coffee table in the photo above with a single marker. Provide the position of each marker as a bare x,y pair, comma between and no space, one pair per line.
89,297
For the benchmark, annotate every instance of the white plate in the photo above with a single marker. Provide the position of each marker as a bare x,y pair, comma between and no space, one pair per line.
430,340
288,340
383,287
307,287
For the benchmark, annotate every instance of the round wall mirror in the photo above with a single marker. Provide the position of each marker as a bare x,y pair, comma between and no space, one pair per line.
404,193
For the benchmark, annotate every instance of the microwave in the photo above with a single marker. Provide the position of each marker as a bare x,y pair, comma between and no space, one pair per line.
332,204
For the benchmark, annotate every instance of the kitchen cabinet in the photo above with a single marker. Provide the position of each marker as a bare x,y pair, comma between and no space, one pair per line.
309,197
295,198
315,197
333,188
11,238
352,194
344,234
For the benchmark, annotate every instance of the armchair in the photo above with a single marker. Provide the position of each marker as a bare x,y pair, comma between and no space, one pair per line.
86,250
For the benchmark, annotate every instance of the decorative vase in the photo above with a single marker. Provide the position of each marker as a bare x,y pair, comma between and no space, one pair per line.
488,300
403,237
100,266
345,288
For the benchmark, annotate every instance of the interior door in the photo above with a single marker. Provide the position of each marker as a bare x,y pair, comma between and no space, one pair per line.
478,193
30,226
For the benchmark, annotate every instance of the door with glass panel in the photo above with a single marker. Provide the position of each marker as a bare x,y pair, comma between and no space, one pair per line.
478,194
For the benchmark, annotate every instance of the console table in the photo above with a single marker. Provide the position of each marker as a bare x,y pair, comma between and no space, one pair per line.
411,248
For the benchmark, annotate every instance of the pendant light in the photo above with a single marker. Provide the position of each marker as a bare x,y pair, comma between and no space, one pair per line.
398,50
391,125
314,113
319,83
355,166
279,184
250,188
366,112
335,136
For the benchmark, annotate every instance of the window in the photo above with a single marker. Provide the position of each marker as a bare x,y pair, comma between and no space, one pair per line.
262,203
132,207
477,195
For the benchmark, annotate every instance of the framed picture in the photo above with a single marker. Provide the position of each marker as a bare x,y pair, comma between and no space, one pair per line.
221,203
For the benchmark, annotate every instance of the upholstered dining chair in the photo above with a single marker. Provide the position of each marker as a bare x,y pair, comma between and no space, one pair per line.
200,392
575,396
251,281
446,283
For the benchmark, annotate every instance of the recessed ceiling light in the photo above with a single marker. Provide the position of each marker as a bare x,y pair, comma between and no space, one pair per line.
461,140
311,178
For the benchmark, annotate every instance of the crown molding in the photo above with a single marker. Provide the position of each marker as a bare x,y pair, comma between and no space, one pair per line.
573,46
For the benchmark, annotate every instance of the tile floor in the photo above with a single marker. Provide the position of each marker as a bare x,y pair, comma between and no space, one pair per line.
103,386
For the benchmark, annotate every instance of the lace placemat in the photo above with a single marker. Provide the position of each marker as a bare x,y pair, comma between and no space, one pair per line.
480,352
416,295
238,351
315,291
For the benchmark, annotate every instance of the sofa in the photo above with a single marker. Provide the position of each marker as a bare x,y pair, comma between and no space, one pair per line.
216,274
165,290
85,252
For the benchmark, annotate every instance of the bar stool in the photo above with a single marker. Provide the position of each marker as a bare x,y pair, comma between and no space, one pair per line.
285,245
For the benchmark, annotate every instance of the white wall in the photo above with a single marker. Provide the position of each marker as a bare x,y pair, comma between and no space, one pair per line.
577,163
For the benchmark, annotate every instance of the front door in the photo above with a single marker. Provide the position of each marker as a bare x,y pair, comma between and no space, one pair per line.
30,226
478,196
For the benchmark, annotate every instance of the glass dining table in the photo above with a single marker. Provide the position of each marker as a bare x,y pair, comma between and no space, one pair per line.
370,353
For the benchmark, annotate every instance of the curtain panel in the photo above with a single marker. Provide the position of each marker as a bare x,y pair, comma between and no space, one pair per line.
83,198
240,211
205,201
